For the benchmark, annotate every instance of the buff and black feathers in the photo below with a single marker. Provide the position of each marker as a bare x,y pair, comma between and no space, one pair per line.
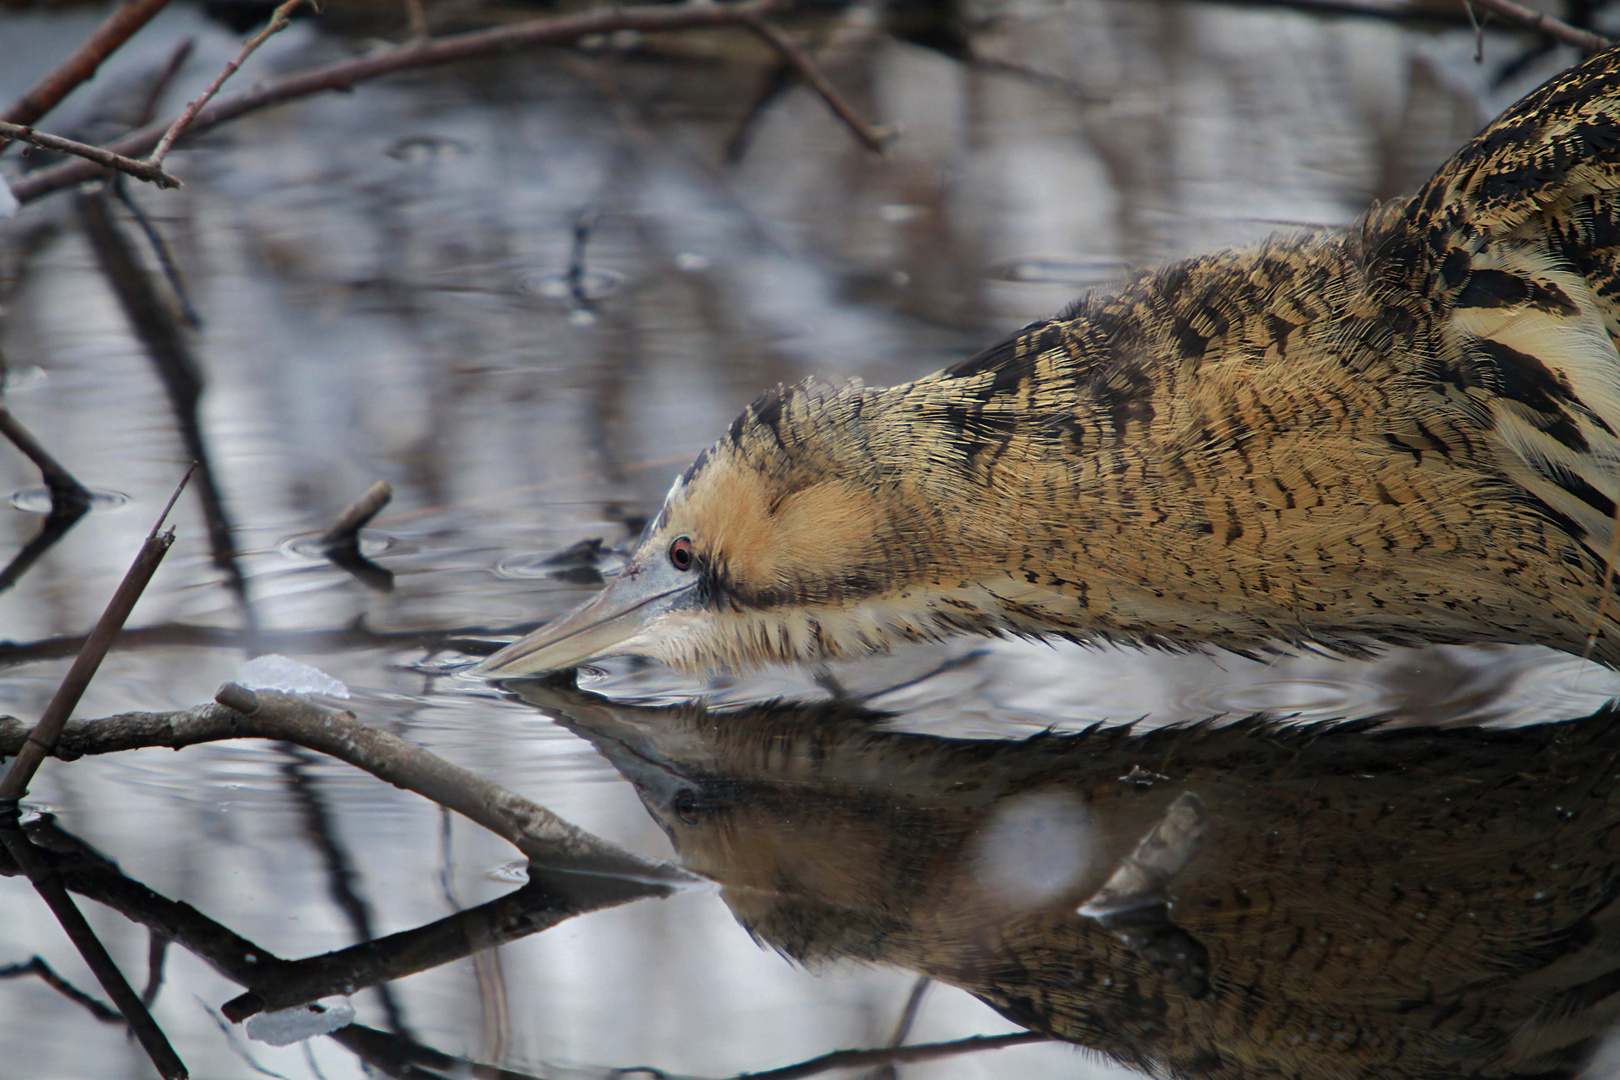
1401,432
1354,904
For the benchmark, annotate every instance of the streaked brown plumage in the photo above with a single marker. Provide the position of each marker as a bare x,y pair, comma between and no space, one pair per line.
1401,432
1369,904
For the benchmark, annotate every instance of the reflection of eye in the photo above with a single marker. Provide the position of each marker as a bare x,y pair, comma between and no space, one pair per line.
687,807
680,553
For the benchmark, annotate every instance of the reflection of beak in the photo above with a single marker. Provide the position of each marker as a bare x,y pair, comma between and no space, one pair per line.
599,627
657,781
650,747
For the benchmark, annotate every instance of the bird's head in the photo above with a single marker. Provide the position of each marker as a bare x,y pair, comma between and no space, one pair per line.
786,540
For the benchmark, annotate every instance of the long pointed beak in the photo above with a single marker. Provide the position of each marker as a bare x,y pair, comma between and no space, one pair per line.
607,624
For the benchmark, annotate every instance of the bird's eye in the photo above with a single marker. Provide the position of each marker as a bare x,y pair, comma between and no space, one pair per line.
680,553
687,807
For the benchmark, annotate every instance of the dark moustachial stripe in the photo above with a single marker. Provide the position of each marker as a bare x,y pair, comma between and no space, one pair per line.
1525,379
1545,296
1489,288
1584,491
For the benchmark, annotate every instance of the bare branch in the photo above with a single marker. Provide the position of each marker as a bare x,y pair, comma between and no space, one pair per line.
343,75
267,714
548,899
141,170
872,137
82,64
1542,23
534,830
51,889
853,1059
278,22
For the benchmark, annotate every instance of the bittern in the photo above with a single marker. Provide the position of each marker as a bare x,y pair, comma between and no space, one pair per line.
1400,432
1199,902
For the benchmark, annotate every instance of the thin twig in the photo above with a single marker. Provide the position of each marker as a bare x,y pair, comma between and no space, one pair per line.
1479,31
82,64
343,75
342,540
141,170
160,248
347,528
854,1059
890,1070
796,58
165,76
473,640
908,1015
278,22
1541,23
416,24
546,901
49,885
160,331
47,975
41,741
70,501
66,491
157,950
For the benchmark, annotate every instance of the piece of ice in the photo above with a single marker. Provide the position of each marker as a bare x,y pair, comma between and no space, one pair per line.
8,202
273,671
514,872
1163,853
297,1024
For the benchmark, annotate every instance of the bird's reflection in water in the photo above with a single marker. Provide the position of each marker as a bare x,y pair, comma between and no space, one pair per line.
1247,900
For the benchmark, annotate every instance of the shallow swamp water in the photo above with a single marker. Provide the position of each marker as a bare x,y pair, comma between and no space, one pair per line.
527,291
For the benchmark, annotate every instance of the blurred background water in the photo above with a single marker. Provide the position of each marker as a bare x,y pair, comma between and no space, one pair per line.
526,292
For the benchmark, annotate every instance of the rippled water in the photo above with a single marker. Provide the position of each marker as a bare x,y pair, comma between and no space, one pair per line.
385,285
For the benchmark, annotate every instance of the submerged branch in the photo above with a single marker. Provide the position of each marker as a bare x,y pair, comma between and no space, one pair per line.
548,899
